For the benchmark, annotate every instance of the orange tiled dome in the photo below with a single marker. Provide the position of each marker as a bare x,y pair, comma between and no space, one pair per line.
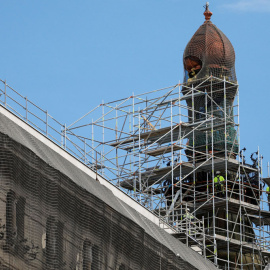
209,52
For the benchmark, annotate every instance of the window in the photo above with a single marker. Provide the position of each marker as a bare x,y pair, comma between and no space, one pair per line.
95,258
87,255
54,242
15,213
20,214
90,256
122,267
11,230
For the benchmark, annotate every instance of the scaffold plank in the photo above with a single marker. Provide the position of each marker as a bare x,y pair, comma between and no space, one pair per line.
234,205
158,134
267,180
260,221
220,164
157,175
236,244
163,150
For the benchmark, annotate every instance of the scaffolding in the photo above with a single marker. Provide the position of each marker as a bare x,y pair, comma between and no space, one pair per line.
163,148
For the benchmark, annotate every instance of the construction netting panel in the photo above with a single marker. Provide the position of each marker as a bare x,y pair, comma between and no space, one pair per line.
48,222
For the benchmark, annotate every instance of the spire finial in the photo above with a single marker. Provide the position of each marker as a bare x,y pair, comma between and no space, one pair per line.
207,12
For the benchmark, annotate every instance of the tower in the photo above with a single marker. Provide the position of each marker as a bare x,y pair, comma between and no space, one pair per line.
232,210
210,53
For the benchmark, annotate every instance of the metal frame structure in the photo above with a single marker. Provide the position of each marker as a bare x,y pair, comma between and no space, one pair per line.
146,145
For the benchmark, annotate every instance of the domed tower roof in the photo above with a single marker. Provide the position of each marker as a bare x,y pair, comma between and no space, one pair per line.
209,52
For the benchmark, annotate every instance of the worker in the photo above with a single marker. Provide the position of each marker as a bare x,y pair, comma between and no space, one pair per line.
188,215
219,184
268,193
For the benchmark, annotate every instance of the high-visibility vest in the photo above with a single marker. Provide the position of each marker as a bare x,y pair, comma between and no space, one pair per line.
188,215
268,189
218,179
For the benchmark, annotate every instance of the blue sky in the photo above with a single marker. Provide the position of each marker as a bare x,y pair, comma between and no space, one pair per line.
67,56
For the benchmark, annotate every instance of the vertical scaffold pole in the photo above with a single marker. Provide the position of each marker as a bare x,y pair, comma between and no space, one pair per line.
193,151
172,161
180,142
226,175
65,136
47,123
204,243
260,232
93,151
84,151
239,181
133,149
116,149
213,172
26,110
5,93
140,175
103,139
206,142
129,124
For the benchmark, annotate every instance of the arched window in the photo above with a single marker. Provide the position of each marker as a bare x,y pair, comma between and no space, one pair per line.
54,242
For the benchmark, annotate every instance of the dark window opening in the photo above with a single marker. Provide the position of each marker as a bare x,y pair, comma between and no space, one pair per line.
20,214
192,65
54,243
87,255
122,267
15,214
91,256
11,230
95,258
